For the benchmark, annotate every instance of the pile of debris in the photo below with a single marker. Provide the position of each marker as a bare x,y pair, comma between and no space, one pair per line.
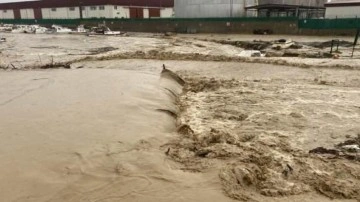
285,48
349,149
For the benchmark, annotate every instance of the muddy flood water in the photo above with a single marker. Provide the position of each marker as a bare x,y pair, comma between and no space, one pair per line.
99,119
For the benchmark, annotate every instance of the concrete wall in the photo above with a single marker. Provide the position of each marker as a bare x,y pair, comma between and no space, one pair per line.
343,12
6,14
211,8
27,13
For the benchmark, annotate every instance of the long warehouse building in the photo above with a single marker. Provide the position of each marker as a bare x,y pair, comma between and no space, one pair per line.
75,9
246,8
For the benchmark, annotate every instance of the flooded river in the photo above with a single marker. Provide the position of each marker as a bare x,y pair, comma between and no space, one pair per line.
114,129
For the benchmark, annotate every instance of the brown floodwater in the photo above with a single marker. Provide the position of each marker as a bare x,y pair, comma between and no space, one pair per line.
91,135
101,132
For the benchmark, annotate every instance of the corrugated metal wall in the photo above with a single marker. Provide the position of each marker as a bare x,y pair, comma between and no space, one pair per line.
314,3
211,8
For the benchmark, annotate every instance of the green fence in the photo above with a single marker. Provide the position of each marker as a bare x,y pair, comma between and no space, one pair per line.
115,20
337,24
348,23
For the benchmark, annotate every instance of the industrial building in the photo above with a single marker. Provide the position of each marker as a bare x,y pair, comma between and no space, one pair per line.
211,8
288,8
78,9
343,9
249,8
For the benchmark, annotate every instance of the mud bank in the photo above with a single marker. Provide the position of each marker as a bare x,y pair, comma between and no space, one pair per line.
233,126
43,52
156,55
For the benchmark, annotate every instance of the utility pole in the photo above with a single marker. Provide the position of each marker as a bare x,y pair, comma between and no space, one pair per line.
80,10
231,8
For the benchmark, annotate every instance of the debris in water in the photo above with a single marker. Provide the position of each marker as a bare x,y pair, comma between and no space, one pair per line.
322,150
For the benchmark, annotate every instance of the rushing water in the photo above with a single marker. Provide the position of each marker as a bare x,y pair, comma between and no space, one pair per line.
99,133
90,135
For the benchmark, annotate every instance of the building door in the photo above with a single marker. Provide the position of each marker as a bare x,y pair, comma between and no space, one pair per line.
154,12
17,14
140,12
37,13
136,13
132,12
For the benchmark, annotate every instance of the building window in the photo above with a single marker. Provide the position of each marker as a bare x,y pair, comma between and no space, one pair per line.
93,8
101,7
115,7
72,8
4,11
83,8
53,9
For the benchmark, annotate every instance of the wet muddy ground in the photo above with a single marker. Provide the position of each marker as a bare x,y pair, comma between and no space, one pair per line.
95,120
22,51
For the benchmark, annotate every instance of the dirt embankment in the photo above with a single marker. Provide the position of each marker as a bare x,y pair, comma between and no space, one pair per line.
164,55
284,48
168,55
224,126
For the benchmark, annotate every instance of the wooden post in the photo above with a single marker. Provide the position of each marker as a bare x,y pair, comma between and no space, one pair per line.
355,41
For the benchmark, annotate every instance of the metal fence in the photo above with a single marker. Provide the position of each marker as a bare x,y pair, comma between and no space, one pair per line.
336,24
114,20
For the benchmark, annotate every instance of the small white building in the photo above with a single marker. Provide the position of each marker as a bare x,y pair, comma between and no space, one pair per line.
342,9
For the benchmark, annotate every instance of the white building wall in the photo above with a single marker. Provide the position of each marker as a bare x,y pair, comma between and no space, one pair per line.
60,13
6,14
27,13
167,12
120,12
343,12
73,14
89,12
109,11
146,13
45,13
